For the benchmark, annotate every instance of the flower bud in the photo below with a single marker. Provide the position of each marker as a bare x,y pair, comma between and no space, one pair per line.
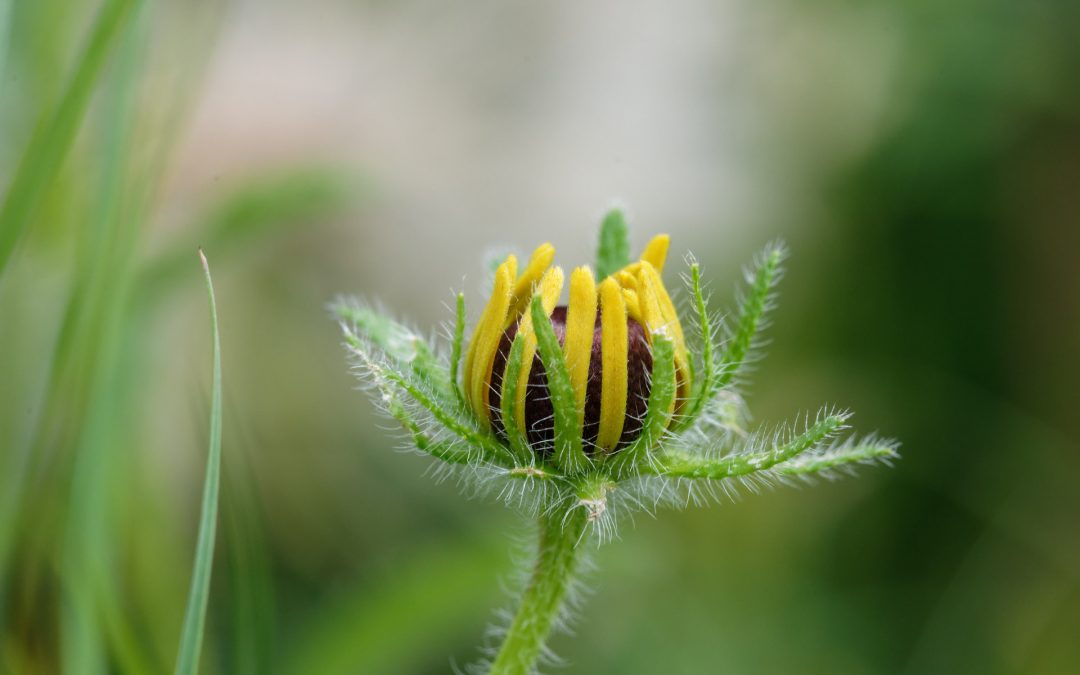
605,333
539,414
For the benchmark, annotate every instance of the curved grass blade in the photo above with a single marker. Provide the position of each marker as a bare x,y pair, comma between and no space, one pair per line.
49,145
187,660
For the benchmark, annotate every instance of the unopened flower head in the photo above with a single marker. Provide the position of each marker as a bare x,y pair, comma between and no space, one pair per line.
605,331
568,401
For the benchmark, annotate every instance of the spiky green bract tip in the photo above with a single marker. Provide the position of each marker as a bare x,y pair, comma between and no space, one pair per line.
613,252
754,306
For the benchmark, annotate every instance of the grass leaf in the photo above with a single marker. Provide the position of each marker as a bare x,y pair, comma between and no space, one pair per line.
187,660
52,139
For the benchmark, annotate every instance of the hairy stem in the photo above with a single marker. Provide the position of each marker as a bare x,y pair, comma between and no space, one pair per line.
556,564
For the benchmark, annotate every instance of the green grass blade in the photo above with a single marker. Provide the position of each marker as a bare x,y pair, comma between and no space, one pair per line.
49,145
613,253
187,660
100,289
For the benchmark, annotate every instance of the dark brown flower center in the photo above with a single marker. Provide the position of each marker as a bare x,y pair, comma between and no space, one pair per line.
539,415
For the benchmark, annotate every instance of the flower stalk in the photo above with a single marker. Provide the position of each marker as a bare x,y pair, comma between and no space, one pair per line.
557,560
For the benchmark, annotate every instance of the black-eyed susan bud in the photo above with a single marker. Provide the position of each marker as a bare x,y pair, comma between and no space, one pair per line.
605,332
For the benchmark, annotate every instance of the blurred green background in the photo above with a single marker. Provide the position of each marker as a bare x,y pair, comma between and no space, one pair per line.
922,159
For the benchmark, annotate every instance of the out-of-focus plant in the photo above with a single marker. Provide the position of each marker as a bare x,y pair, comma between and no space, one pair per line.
576,414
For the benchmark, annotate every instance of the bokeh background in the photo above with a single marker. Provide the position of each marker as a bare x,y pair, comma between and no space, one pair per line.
922,160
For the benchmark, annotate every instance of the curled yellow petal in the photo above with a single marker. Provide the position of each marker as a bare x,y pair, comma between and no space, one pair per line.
580,327
549,290
633,307
614,348
485,340
539,261
655,252
650,304
627,276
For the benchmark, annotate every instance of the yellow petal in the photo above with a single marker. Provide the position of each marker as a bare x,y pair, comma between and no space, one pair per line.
650,304
669,320
627,276
549,290
655,319
580,327
655,252
485,340
510,265
633,307
539,261
614,347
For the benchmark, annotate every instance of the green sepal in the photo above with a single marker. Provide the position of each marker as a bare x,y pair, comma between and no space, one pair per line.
706,386
508,397
569,454
456,347
437,449
751,313
685,465
388,378
402,345
851,452
613,251
661,397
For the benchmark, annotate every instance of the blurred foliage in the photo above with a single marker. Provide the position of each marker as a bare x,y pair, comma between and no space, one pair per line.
933,218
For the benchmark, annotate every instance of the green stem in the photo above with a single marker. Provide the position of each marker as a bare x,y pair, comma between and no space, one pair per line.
556,564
